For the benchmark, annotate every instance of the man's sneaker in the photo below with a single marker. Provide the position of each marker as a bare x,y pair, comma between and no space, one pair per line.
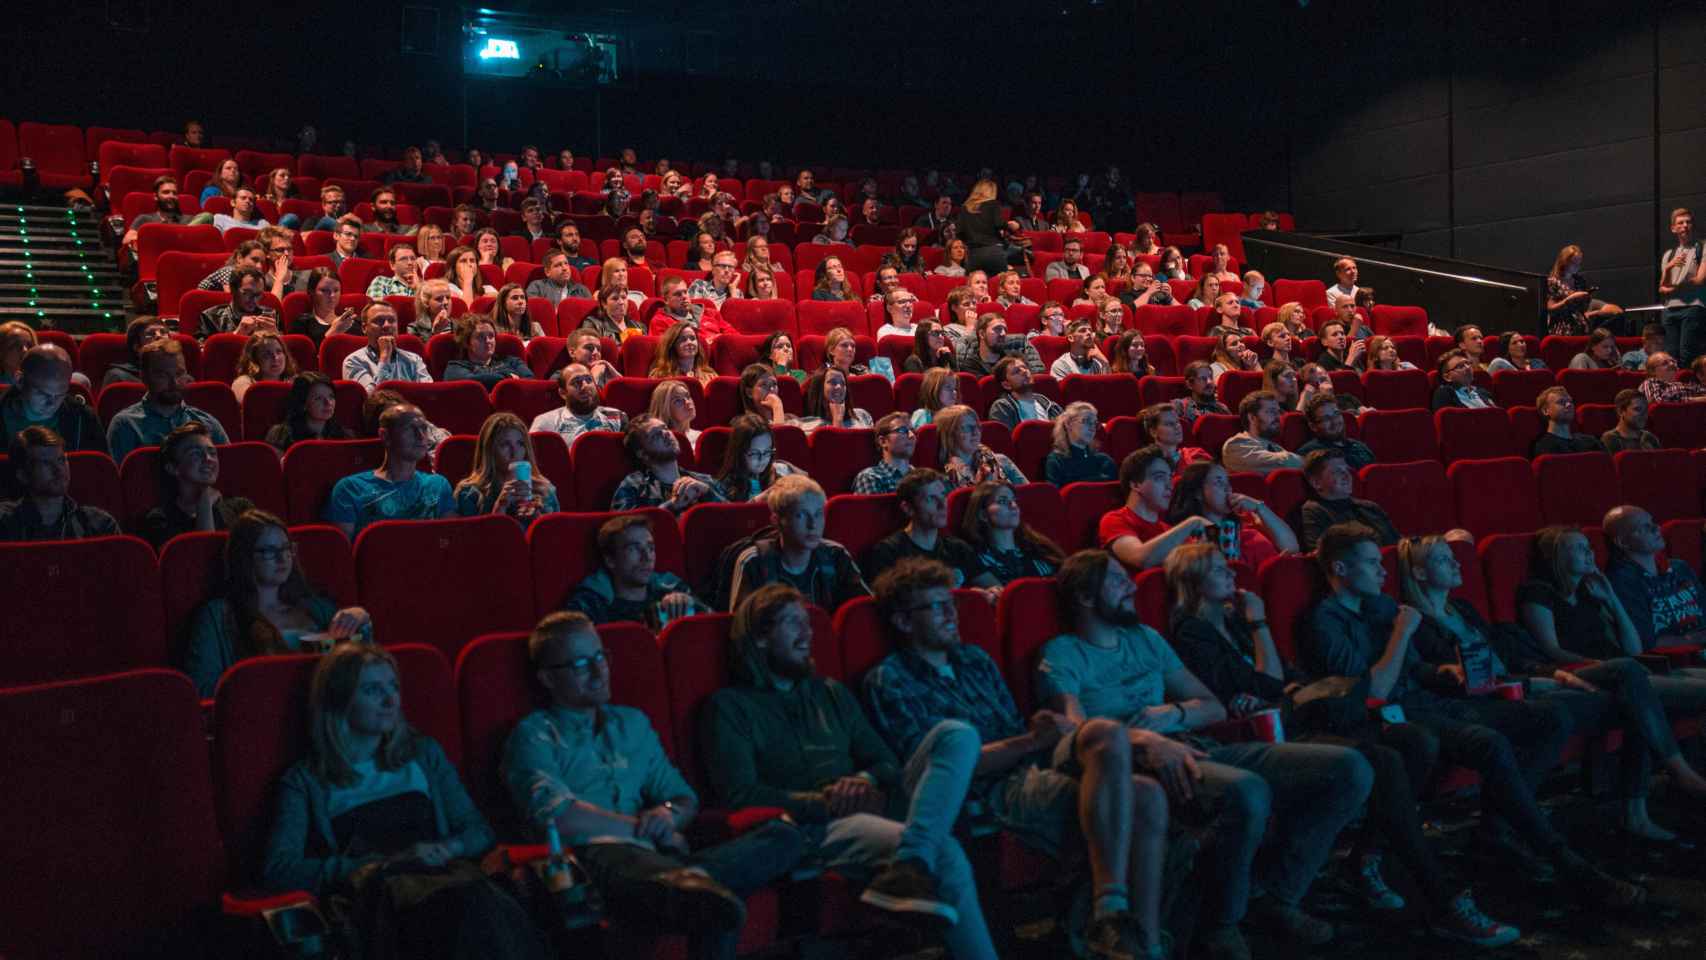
1465,923
1373,886
1225,942
694,901
906,888
1292,924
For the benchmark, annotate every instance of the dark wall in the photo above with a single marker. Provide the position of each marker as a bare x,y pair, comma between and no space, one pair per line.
1499,133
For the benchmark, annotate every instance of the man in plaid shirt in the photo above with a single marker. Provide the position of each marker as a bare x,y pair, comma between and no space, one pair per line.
895,442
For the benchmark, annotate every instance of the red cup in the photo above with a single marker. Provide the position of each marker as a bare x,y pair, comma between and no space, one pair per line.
1267,725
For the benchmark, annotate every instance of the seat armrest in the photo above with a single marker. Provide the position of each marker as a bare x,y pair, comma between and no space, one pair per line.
254,903
716,824
1242,730
1679,655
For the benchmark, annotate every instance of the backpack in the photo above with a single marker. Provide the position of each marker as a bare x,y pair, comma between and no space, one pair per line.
716,588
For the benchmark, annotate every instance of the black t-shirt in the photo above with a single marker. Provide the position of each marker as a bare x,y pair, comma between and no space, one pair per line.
1584,626
166,521
1226,668
982,228
1575,443
952,551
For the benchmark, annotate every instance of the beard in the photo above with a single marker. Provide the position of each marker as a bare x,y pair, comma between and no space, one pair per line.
168,207
788,669
1120,616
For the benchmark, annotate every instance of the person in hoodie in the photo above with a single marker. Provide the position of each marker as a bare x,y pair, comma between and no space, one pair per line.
627,585
782,735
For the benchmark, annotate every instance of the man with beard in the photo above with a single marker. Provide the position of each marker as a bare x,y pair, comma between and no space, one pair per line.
162,409
658,480
628,585
558,283
1327,432
409,172
569,241
165,208
395,490
1256,448
580,411
862,810
634,247
245,314
385,215
44,511
678,309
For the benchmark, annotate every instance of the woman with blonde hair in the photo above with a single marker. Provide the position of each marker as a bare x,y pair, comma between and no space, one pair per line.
1295,317
462,272
1383,355
614,273
431,243
1009,286
433,312
939,390
672,402
980,225
1076,455
505,477
1571,309
265,357
679,355
761,284
1208,290
841,351
963,455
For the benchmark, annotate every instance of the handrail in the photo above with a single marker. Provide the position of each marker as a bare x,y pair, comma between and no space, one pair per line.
1361,258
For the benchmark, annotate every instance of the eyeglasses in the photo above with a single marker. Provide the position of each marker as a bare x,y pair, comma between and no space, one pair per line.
904,430
579,665
275,553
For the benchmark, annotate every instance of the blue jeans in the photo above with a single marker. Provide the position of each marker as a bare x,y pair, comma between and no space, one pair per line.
936,778
1685,333
1311,791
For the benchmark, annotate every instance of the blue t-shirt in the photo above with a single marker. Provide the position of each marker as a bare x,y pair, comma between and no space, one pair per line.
363,498
1117,683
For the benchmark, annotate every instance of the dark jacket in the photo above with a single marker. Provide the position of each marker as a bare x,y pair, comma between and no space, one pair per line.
76,423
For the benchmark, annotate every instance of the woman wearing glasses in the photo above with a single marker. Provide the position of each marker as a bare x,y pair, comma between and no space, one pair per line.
268,606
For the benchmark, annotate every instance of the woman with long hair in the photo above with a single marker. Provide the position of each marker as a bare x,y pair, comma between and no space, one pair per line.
431,243
1513,354
1571,309
308,413
777,354
963,455
1244,527
1383,355
939,390
980,225
278,187
1143,241
322,317
953,263
265,357
1093,291
489,248
841,352
497,482
761,285
1230,354
831,283
1075,455
1066,218
226,179
1172,265
462,272
1280,379
826,403
701,252
1131,355
672,402
266,605
931,349
1295,317
758,395
433,309
377,813
679,355
477,356
509,313
1118,264
749,464
1007,547
1207,291
1600,352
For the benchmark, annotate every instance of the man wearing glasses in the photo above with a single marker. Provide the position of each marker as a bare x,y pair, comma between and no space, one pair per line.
1457,383
1144,291
1662,386
720,286
896,441
598,774
346,240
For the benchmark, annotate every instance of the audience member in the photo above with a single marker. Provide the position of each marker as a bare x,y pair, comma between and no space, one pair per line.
1327,432
1145,290
1112,667
505,477
1662,385
1019,401
1256,448
1335,354
931,349
1165,426
830,281
43,397
138,333
309,412
899,304
1571,308
382,359
1558,412
166,210
1280,379
658,479
827,404
798,555
477,358
923,496
750,465
777,354
1138,532
1075,455
559,282
672,402
679,355
1682,284
435,309
627,585
266,606
1652,341
1231,354
403,278
1006,547
1254,286
1083,357
1199,382
580,411
1631,432
964,458
188,474
1131,355
896,440
1345,287
396,489
1457,386
147,422
953,259
1663,596
1382,354
1228,317
720,287
841,351
346,241
613,318
244,314
384,202
43,511
1514,355
759,396
1245,529
1600,353
1070,266
264,358
324,315
1330,477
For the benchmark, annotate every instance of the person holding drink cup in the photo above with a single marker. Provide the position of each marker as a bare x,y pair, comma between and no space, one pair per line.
503,480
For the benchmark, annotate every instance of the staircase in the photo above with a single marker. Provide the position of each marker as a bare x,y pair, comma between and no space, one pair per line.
54,272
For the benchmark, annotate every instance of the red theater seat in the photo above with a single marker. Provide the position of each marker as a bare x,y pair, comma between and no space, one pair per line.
1495,496
1397,436
313,467
856,521
1416,495
563,549
1082,505
1396,389
51,631
401,563
1482,434
1576,488
711,526
1663,482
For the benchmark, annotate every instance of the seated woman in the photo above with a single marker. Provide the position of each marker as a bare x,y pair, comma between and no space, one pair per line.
1165,424
963,456
1244,528
1295,317
308,413
614,273
1117,264
462,272
826,403
1383,355
190,500
1143,241
1457,383
1131,355
1571,309
1601,353
1007,547
749,464
1312,379
1008,286
1172,265
377,814
939,390
489,249
477,356
835,230
931,349
758,257
1207,291
1280,379
1513,354
433,311
831,283
758,394
953,260
509,313
1230,353
678,355
1221,634
1066,218
267,605
1277,338
777,353
1220,266
840,350
1076,455
761,284
1453,632
614,317
1093,291
899,305
958,316
673,403
505,477
265,357
431,244
323,316
1110,317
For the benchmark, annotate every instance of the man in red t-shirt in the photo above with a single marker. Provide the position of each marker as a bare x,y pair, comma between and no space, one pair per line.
1138,533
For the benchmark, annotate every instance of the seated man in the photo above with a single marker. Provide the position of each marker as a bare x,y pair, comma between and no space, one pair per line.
1345,272
1652,341
245,314
1070,266
346,240
1018,401
1558,412
138,333
1665,600
43,398
189,483
1199,380
896,440
534,223
1663,386
405,275
923,495
1329,476
43,511
628,585
596,775
1358,631
1631,431
382,359
1256,448
559,282
409,172
676,308
587,349
1045,778
991,344
658,479
862,811
385,220
146,422
1457,386
395,490
1082,356
1113,668
798,555
332,209
1138,533
580,411
569,241
720,286
477,354
1327,432
244,212
1228,317
166,209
